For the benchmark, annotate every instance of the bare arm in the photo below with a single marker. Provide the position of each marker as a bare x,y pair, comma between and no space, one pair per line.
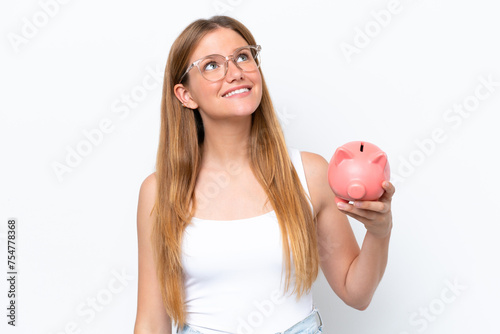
151,315
353,274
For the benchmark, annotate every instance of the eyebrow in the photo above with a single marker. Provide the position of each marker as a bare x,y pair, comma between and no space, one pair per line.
220,54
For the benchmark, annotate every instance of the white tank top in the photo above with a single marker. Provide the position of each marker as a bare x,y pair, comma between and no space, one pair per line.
233,280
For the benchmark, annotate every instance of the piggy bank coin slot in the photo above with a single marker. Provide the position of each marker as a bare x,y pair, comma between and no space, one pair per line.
361,147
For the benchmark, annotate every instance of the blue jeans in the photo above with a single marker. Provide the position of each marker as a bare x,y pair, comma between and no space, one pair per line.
312,324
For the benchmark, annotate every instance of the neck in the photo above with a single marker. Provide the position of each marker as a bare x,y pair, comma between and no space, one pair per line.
226,142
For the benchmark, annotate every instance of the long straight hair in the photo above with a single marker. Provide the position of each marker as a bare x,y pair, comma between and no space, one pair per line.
178,165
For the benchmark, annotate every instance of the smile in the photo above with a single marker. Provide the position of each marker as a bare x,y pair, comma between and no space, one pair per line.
234,92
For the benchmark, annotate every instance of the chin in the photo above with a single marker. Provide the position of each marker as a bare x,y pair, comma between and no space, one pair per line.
244,110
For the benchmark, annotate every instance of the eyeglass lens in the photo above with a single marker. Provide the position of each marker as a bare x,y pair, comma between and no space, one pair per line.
213,68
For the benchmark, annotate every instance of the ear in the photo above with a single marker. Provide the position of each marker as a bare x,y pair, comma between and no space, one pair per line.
380,159
342,154
183,95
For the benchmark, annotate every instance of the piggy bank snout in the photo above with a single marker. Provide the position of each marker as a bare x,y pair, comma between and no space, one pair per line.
356,190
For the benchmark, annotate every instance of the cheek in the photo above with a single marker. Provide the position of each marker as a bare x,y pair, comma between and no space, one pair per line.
203,92
257,80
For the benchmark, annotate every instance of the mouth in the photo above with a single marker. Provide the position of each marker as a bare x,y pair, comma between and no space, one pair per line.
236,91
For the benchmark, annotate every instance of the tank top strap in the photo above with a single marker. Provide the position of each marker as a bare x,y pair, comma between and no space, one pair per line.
296,159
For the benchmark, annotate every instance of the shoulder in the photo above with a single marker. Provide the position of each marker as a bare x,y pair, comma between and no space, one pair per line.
149,183
147,194
313,162
315,168
316,171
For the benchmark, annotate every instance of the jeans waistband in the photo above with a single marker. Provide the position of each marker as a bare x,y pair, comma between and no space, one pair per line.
312,324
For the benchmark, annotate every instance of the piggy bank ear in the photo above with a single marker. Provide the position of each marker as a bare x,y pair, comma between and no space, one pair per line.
380,159
342,154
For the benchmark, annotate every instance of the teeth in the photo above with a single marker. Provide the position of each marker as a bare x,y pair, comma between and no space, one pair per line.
238,91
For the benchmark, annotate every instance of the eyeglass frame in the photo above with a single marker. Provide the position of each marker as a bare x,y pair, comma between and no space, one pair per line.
227,58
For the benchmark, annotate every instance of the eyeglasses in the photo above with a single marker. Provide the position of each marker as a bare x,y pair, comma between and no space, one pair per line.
214,67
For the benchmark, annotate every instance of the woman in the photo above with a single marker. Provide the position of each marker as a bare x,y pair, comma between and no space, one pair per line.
230,208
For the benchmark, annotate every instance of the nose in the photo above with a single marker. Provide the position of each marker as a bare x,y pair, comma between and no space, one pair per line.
233,71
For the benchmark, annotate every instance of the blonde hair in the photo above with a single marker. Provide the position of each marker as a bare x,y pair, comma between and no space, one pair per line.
178,164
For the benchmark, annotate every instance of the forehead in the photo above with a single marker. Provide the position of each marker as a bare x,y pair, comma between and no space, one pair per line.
220,41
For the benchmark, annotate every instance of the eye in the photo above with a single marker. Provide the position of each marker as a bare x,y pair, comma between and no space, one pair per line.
243,56
210,66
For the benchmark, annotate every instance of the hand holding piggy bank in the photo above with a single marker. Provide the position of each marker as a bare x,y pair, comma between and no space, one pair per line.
357,171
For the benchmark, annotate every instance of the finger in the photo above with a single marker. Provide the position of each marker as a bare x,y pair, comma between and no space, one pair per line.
389,191
357,213
389,187
361,218
361,207
376,206
343,205
340,200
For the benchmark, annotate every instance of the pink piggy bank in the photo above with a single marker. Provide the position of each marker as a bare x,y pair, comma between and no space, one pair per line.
357,171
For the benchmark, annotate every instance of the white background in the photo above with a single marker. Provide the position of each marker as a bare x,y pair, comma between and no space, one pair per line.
72,70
